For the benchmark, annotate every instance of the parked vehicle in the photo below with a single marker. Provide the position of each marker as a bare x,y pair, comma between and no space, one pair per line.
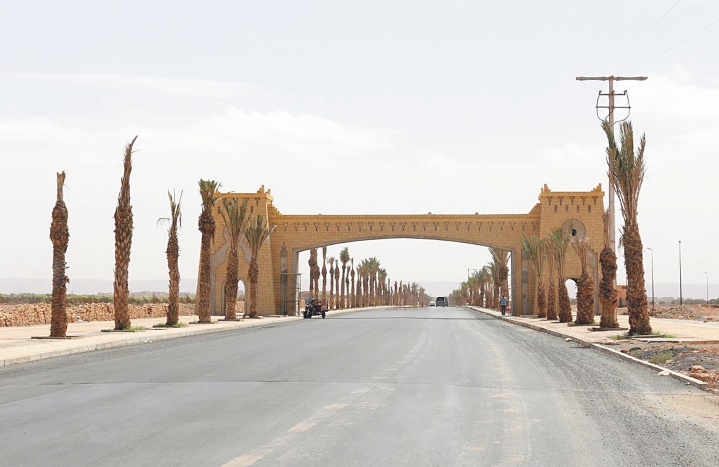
442,301
432,303
314,307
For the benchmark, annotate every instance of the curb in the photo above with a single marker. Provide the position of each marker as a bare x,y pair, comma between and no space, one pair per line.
144,339
676,375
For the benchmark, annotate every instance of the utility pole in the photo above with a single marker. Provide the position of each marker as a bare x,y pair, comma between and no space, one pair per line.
610,119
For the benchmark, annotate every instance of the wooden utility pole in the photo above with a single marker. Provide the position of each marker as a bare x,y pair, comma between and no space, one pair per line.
610,119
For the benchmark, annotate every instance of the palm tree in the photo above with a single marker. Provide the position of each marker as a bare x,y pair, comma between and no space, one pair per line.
344,257
585,284
337,285
331,260
256,234
552,286
627,171
173,258
359,303
60,237
608,295
353,300
500,258
494,269
312,262
324,272
381,280
559,240
206,225
123,244
235,218
535,250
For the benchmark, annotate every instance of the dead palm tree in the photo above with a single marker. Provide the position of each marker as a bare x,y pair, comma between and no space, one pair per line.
324,272
608,295
235,219
60,237
123,244
627,171
344,258
173,258
256,234
206,225
534,248
559,240
585,284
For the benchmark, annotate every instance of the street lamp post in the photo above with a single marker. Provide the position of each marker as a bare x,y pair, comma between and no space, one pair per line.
707,286
681,301
652,276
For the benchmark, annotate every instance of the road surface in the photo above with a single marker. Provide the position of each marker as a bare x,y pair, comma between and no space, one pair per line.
398,387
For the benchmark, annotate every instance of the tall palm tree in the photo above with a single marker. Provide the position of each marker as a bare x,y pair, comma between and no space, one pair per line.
312,262
173,259
360,275
585,284
608,295
344,258
627,171
559,240
123,244
256,234
206,225
60,237
235,218
501,258
551,286
331,260
534,248
353,300
494,270
324,272
381,280
337,285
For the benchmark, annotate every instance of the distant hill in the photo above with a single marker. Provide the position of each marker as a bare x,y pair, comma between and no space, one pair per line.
89,286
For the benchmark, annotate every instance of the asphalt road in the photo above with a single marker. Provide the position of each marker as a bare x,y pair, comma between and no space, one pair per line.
419,387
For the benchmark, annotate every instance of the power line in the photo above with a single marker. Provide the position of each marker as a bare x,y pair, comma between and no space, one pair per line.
674,46
635,39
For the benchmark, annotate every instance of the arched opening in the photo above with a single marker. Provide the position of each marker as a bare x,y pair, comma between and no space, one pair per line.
438,266
241,304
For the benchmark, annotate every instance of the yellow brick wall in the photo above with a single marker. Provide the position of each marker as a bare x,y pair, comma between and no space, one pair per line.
301,232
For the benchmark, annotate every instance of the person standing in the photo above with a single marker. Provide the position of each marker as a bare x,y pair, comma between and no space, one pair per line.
503,304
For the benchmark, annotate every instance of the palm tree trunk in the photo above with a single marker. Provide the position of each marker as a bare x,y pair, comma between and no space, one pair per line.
207,227
541,299
173,300
608,295
60,237
565,305
636,292
123,244
585,299
253,273
552,301
231,284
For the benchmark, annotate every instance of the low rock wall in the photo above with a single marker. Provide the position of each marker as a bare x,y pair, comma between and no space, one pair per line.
39,313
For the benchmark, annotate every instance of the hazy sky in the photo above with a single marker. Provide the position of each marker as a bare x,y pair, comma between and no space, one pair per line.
394,106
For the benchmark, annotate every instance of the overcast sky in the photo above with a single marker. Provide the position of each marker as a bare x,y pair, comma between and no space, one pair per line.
394,106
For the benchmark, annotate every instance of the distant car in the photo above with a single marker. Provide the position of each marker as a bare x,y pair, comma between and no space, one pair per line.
432,303
442,301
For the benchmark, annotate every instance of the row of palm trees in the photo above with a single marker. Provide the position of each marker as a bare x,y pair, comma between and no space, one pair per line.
486,285
364,285
255,231
626,170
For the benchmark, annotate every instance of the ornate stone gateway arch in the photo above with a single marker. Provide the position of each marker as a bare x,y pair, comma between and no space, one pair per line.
296,233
